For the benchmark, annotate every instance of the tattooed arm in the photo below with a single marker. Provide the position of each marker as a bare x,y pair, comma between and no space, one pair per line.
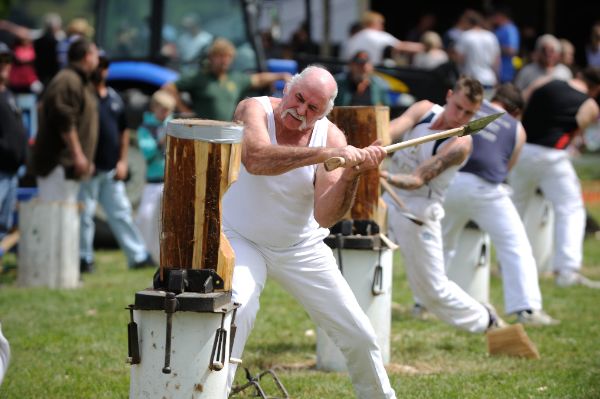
453,152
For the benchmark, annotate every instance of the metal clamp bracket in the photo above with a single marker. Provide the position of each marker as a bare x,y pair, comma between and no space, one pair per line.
254,381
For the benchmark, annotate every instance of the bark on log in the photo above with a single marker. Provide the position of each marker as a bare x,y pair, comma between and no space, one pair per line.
362,126
201,163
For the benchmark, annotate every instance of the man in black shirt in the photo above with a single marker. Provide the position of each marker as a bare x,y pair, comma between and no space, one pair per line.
107,186
556,112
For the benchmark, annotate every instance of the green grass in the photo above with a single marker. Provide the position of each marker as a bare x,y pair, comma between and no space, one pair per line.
73,343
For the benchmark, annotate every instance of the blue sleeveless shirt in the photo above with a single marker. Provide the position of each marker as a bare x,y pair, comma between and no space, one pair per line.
493,146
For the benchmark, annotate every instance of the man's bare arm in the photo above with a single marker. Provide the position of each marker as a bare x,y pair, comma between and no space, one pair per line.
452,153
333,203
410,117
335,190
263,79
521,139
587,113
122,163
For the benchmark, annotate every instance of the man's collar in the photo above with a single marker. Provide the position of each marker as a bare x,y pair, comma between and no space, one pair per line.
82,74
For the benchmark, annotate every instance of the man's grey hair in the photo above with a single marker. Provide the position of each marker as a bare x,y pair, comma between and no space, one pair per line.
548,39
302,75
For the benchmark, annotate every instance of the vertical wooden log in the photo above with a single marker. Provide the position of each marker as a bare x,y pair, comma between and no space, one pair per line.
362,126
202,160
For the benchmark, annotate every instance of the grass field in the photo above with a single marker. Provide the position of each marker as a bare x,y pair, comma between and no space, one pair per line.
73,343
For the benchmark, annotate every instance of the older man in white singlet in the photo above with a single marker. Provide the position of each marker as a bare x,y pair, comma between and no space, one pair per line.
277,213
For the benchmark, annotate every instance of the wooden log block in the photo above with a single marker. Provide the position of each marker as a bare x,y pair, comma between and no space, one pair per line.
362,126
202,160
511,341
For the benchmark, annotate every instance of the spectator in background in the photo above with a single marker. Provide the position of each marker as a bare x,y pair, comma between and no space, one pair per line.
529,36
374,39
448,71
478,53
107,186
425,23
358,85
151,137
46,60
13,144
68,127
10,32
354,28
194,40
434,55
77,28
547,63
301,42
462,24
23,77
592,50
567,55
214,89
125,41
272,47
509,39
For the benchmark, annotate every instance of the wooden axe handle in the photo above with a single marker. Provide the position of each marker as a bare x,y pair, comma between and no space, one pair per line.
388,187
339,162
403,209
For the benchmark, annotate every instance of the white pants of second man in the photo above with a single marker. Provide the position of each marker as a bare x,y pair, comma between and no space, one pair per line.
308,271
470,197
423,254
552,171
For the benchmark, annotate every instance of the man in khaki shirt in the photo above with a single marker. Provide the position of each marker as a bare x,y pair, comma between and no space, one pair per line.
66,140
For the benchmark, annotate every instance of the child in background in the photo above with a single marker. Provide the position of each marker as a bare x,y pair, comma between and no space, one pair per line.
152,140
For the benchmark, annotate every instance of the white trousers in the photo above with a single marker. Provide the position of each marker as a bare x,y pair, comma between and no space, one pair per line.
147,218
308,271
54,187
552,171
470,197
423,254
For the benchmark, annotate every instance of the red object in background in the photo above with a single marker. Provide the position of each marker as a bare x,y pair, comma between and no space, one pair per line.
22,74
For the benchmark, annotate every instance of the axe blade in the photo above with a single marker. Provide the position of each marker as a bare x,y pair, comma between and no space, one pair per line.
477,124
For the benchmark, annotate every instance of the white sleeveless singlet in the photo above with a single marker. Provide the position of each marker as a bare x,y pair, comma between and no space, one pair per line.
408,159
276,211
